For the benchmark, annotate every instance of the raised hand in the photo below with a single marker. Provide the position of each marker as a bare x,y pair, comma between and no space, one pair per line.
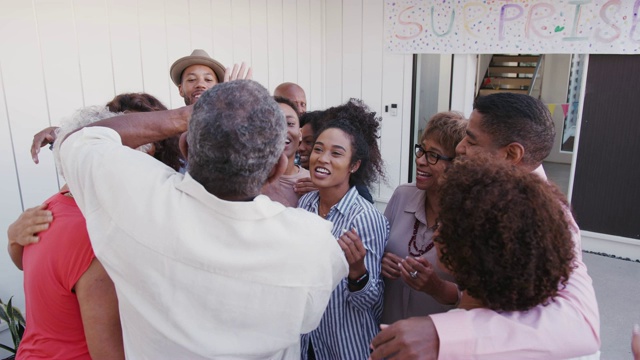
303,186
44,137
238,73
24,231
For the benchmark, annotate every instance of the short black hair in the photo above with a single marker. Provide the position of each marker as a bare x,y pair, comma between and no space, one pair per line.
510,117
284,100
312,118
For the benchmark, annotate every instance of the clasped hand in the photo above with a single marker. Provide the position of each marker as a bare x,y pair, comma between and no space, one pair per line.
354,251
425,278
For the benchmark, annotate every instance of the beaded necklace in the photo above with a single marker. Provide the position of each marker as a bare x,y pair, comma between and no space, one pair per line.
413,247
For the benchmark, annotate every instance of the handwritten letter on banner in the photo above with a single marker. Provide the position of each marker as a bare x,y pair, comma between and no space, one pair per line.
512,26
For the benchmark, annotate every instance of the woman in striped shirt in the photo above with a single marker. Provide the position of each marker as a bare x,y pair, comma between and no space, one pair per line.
346,154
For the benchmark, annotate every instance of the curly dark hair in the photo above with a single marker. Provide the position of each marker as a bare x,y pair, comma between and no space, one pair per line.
504,234
167,151
520,118
313,118
361,124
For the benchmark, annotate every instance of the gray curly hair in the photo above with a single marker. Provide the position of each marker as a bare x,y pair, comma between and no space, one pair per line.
80,118
236,136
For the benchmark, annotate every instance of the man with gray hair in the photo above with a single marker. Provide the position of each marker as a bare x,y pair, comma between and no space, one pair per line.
204,266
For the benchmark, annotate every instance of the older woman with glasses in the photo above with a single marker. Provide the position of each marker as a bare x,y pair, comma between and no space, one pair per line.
414,286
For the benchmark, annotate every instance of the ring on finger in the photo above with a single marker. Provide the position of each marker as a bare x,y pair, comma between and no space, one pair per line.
413,274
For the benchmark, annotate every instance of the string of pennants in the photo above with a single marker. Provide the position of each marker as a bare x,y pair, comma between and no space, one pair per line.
565,108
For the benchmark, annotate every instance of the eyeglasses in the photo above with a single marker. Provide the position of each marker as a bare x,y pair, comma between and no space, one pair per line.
432,157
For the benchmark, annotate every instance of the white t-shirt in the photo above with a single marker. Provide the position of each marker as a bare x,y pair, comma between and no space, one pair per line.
198,277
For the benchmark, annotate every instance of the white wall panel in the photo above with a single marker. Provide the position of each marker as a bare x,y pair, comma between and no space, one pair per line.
125,45
94,48
241,12
315,89
26,101
290,40
222,36
352,49
259,42
303,46
10,276
333,53
60,58
274,34
153,51
200,25
372,53
178,38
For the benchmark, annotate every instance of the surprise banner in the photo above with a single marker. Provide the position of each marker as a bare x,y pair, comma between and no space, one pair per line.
512,26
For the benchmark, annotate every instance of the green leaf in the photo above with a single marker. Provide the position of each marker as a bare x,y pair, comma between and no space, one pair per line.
3,313
14,334
10,308
17,314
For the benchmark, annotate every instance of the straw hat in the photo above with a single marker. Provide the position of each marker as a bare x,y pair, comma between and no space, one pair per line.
197,57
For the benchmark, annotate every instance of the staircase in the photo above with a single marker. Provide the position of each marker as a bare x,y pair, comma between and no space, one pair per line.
512,73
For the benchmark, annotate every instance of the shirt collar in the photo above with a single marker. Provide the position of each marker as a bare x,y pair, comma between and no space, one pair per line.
347,200
415,205
540,172
259,208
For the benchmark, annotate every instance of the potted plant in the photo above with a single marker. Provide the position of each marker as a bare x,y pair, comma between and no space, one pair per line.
14,319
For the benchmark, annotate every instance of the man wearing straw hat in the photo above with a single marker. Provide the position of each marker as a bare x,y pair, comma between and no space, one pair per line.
193,75
196,73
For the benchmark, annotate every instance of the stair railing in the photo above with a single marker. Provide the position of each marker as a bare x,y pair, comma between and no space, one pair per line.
535,76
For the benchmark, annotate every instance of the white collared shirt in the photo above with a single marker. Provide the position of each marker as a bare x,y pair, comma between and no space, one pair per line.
198,277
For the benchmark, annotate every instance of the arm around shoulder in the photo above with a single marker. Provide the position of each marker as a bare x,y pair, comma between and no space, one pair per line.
25,229
569,326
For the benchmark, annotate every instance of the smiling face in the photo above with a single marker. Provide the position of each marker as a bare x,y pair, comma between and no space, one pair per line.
196,79
330,161
306,145
293,132
427,175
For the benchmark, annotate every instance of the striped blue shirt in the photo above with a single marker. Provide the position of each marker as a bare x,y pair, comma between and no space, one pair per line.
351,319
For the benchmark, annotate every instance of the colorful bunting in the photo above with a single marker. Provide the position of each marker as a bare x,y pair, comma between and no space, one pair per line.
565,108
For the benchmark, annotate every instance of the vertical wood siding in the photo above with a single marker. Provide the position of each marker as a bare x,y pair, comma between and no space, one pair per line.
59,55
